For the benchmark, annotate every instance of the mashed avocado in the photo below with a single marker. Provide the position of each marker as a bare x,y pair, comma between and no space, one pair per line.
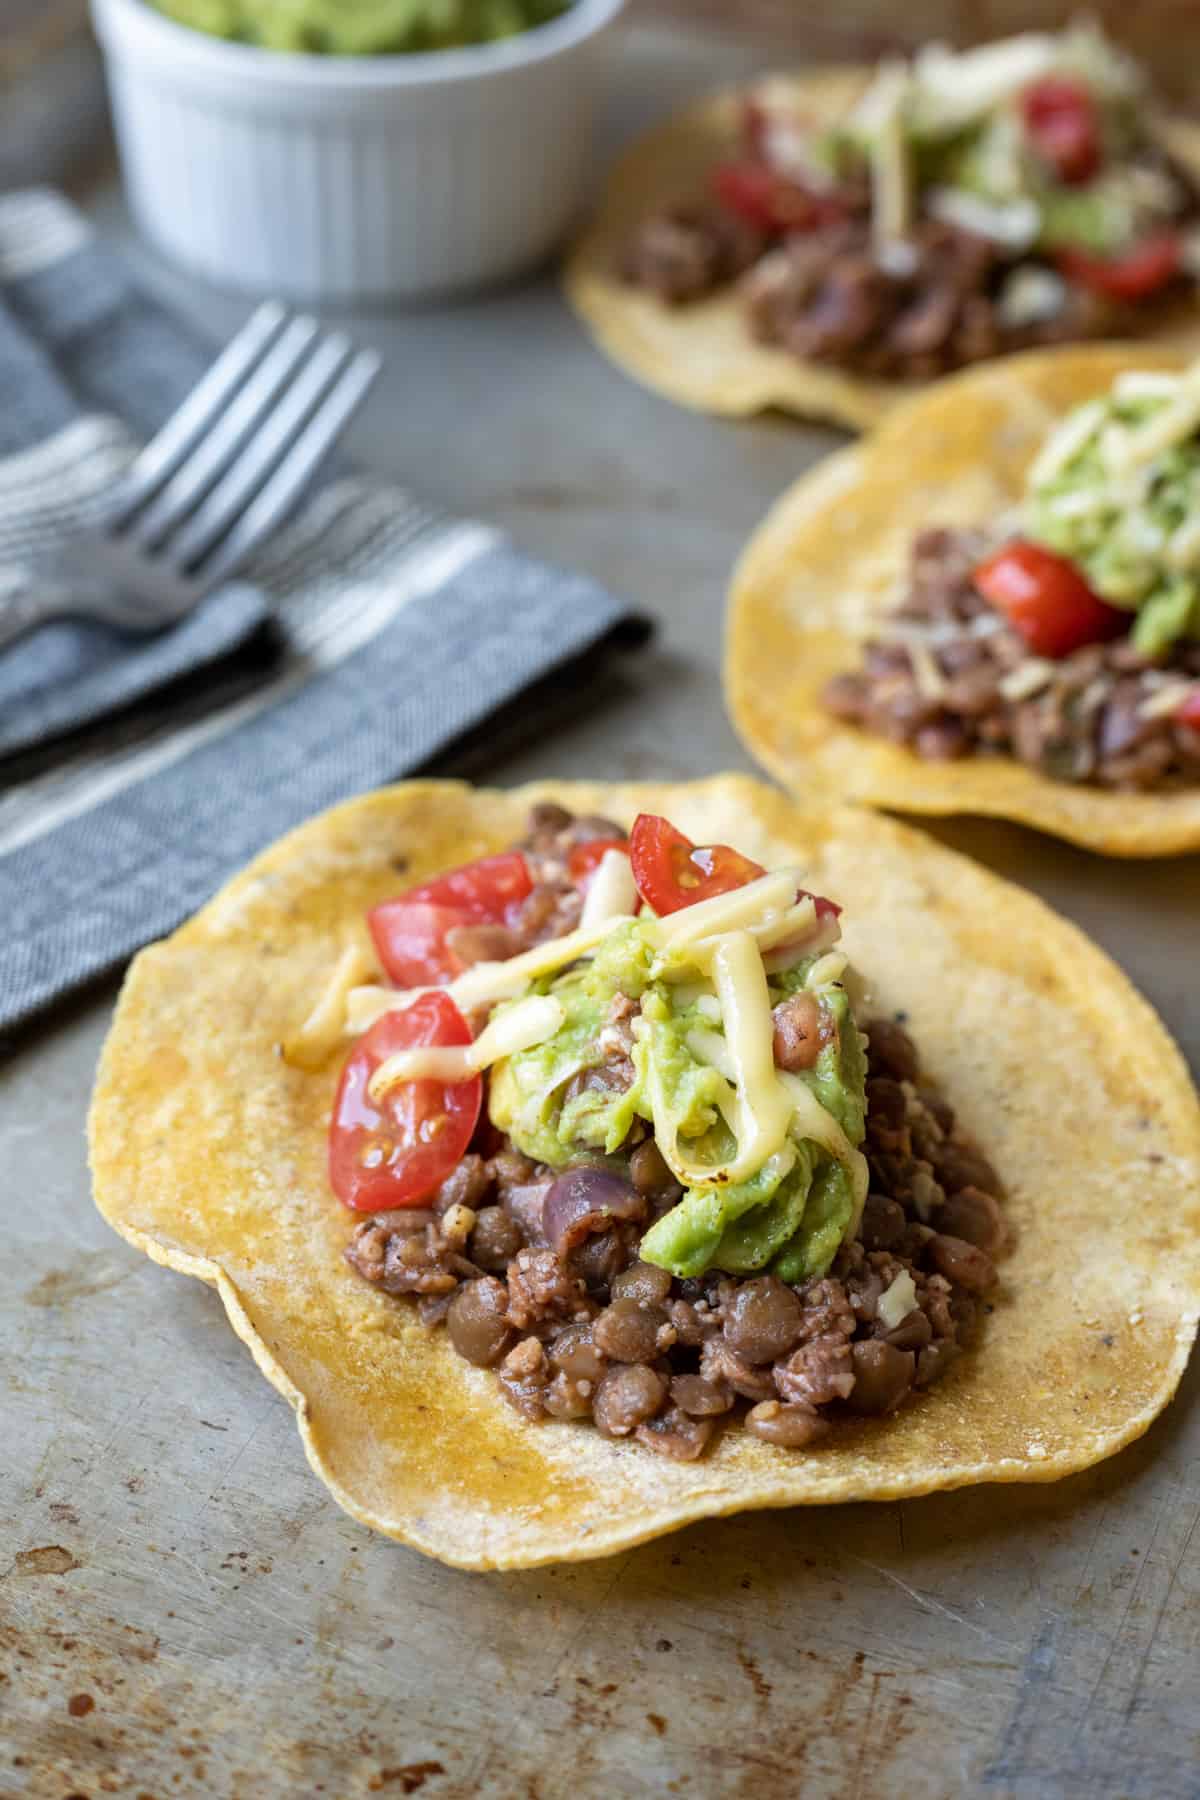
362,27
542,1097
554,1103
1117,490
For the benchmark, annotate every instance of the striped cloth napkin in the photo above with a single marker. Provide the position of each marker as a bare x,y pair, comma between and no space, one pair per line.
371,636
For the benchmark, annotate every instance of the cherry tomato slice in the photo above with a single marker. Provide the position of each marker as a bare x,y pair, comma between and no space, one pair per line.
1047,600
1189,712
397,1153
1061,119
410,931
671,872
757,194
585,859
1143,269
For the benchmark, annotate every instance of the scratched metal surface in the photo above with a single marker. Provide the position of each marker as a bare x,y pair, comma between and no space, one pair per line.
185,1612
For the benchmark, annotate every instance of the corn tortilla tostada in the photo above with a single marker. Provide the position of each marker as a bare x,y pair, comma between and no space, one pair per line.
208,1150
738,261
835,566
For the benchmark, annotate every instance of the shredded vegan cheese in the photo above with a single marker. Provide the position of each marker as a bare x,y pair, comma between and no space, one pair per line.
1144,384
759,1114
1065,443
1174,423
736,911
521,1027
826,970
364,1005
891,165
321,1033
710,1047
612,894
486,983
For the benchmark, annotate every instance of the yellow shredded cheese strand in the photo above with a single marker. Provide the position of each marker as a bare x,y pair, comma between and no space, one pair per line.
710,1047
1172,424
321,1033
483,985
612,894
756,1109
530,1022
891,169
487,983
735,911
364,1005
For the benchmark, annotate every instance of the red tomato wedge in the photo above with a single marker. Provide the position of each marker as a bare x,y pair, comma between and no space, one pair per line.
769,200
410,931
1047,600
1062,121
1142,269
670,871
1189,712
397,1153
586,858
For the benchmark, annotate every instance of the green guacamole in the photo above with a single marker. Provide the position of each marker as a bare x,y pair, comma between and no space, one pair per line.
1130,529
793,1212
362,27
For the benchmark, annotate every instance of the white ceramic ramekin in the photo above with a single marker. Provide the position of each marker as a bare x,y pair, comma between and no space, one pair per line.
353,178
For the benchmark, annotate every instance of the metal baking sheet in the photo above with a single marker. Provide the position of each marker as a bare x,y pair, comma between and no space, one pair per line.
183,1609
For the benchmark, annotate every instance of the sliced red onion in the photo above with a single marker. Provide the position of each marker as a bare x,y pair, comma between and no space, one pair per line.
526,1203
585,1200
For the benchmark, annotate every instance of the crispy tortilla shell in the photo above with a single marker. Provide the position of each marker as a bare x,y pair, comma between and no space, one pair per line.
208,1153
702,355
824,568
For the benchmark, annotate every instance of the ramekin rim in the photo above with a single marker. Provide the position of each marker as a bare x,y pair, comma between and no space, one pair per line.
582,20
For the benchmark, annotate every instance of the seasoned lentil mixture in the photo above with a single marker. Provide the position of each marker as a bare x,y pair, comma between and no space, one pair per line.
949,678
824,294
535,1273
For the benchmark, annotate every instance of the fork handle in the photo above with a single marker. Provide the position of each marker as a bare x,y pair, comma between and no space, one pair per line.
24,609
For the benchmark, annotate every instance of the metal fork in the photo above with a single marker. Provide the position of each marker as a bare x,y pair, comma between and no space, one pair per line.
213,485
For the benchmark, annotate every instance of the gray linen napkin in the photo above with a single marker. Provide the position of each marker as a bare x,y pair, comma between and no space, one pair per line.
370,636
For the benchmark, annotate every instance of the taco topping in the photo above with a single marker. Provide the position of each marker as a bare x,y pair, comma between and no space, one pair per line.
968,204
1073,642
696,1184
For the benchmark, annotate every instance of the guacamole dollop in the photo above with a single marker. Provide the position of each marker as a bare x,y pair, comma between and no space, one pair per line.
555,1103
362,27
1117,490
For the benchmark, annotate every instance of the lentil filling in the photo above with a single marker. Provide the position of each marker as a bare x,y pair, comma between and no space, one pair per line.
536,1274
950,678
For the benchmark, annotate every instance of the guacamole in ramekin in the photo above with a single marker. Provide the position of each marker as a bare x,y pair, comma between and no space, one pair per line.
362,27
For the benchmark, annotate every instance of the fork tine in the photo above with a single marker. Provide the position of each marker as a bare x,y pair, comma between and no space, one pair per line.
294,471
218,446
274,437
165,451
